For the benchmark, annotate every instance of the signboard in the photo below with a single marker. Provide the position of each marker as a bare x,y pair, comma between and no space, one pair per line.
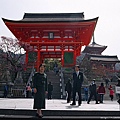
117,89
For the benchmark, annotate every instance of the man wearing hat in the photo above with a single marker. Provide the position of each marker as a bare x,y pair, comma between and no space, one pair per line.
77,84
93,92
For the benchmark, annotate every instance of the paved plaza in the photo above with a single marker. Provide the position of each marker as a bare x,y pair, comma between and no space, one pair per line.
18,108
57,104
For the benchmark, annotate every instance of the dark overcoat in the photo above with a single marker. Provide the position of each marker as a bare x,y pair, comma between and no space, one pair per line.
77,81
40,83
50,87
68,87
92,88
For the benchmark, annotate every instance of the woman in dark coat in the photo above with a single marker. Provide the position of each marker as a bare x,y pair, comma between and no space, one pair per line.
39,87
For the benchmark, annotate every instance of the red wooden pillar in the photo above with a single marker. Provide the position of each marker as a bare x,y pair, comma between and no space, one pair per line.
62,58
78,51
38,59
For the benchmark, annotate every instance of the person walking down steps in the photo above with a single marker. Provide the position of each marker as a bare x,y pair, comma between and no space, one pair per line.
68,89
93,92
50,90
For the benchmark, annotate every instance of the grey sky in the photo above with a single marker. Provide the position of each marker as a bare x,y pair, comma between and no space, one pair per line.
107,31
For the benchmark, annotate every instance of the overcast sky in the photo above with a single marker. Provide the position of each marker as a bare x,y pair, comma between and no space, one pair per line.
107,31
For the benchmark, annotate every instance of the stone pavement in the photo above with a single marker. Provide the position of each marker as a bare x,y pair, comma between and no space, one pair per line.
57,104
59,108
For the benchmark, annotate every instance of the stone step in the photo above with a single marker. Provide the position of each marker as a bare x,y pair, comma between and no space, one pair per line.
55,80
59,114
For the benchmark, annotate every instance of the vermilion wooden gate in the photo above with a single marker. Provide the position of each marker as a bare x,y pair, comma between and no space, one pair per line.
53,35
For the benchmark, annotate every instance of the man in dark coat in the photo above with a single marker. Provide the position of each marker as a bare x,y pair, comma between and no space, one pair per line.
77,84
50,89
93,92
68,89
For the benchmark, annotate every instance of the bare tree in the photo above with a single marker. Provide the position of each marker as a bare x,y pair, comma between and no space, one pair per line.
13,53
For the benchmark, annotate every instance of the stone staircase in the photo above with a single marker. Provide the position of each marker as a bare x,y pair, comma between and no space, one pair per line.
55,80
58,114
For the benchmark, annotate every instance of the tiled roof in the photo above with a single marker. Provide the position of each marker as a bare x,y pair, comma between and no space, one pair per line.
94,48
104,58
96,45
51,17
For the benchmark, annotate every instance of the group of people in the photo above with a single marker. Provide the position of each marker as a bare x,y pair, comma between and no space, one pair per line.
40,89
91,92
98,92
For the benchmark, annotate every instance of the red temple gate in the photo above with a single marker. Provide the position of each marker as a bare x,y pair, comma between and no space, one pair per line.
53,35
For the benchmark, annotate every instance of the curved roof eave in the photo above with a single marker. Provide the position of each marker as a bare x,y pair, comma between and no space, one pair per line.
50,21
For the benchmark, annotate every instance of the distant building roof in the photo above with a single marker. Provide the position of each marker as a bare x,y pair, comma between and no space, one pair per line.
94,48
104,58
96,45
